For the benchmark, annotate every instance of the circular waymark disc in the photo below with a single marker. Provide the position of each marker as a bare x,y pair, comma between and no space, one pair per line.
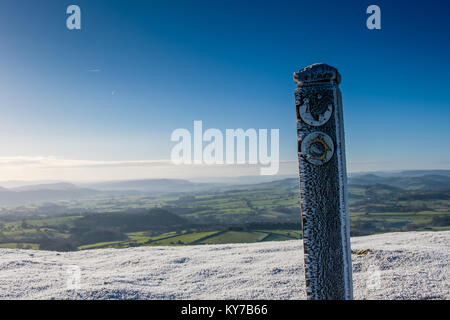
317,148
315,117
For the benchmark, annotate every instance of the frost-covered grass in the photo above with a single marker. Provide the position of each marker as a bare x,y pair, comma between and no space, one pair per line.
409,265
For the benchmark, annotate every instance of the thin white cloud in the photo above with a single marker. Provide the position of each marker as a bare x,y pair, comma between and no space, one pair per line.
55,162
57,168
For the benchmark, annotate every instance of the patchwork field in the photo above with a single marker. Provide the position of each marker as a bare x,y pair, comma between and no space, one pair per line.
233,214
192,238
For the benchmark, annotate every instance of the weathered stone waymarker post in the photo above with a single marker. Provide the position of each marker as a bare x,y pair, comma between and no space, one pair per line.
323,183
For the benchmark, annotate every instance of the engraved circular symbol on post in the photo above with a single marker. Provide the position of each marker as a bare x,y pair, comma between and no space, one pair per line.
316,115
317,148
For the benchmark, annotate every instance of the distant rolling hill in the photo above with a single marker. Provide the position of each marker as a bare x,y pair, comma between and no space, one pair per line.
415,173
404,173
43,193
60,186
423,182
151,185
49,192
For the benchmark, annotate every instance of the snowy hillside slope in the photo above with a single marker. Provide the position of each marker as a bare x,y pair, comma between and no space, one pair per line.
409,265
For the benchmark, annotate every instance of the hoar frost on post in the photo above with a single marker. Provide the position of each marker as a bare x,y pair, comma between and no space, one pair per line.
323,181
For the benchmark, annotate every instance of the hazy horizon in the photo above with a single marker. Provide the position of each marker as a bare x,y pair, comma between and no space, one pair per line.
52,169
207,178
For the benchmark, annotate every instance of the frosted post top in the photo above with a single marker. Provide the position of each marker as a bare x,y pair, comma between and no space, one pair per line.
318,72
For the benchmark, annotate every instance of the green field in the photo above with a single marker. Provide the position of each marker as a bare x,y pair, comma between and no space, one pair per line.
209,237
236,237
188,238
30,246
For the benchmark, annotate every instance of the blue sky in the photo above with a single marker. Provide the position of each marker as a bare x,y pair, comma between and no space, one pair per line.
115,90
